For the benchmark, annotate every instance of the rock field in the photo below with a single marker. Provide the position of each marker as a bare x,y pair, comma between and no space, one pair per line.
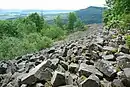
92,58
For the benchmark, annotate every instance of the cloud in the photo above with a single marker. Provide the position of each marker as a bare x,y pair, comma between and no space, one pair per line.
49,4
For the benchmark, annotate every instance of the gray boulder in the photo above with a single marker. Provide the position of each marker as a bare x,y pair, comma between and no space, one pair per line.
87,70
105,68
91,81
58,79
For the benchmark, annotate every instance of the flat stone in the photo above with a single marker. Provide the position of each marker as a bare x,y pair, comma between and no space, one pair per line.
108,57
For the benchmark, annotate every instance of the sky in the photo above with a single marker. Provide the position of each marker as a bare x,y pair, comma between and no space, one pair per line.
50,4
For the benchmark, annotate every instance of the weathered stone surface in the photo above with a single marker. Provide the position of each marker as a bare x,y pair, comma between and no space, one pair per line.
40,72
117,83
68,86
87,70
123,61
105,68
108,48
64,65
58,79
91,81
38,85
23,85
108,57
124,49
73,68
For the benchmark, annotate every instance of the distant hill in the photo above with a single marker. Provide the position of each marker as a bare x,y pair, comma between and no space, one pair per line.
88,15
91,14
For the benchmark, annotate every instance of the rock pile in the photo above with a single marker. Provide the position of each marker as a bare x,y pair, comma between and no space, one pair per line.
98,60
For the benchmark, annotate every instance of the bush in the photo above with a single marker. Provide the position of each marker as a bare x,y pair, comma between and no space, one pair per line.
11,46
53,33
38,40
128,40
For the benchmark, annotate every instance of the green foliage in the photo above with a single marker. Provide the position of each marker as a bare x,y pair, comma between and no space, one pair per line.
58,21
12,46
7,28
72,19
53,32
118,14
79,25
37,19
128,40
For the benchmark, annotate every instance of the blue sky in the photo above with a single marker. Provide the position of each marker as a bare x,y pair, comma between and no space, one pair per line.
50,4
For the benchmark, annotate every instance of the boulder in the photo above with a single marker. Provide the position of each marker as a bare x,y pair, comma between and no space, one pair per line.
123,49
40,72
123,61
106,68
91,81
58,79
108,57
117,83
64,65
73,68
23,85
87,70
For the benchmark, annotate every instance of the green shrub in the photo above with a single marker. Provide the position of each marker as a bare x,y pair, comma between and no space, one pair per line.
38,40
53,32
11,46
128,40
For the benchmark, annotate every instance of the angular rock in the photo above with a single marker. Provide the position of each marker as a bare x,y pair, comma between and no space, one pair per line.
108,57
106,68
87,70
73,68
54,63
108,48
38,85
68,86
40,72
123,61
91,81
23,85
127,72
117,83
124,49
58,79
64,65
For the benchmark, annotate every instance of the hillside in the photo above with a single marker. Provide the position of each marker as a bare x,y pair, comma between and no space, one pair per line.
91,14
96,59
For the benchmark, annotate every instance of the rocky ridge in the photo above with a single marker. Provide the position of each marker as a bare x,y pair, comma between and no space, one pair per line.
95,58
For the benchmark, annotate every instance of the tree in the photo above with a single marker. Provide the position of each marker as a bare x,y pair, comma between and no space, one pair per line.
71,21
58,22
79,24
117,14
7,28
37,19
